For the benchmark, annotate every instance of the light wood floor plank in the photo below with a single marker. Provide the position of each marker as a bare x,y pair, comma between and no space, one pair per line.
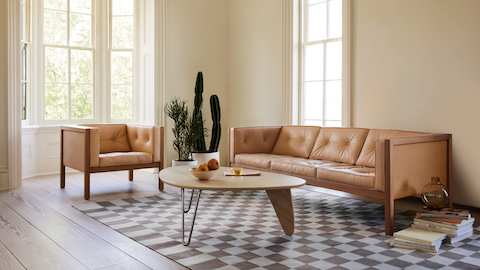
7,260
61,201
32,248
86,247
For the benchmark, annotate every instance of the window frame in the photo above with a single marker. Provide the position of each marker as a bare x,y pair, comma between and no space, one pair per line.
345,78
100,44
26,52
134,51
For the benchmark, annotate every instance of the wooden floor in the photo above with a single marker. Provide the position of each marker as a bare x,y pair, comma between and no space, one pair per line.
39,228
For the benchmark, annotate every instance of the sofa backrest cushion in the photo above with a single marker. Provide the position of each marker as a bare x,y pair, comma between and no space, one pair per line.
113,138
255,139
339,144
367,155
296,141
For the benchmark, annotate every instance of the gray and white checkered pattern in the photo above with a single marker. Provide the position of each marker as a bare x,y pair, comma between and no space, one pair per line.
241,231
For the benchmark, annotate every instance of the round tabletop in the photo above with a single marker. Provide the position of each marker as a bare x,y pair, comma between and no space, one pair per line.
181,177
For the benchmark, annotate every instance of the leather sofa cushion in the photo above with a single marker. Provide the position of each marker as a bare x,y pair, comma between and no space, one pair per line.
367,155
297,166
113,137
339,144
348,174
255,140
124,158
296,141
261,161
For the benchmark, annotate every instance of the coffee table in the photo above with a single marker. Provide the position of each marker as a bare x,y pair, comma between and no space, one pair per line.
277,186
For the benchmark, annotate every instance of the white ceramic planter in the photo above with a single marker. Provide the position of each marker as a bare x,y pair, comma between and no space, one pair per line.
190,163
205,157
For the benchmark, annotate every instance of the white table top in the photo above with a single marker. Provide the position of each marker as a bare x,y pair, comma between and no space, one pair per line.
181,177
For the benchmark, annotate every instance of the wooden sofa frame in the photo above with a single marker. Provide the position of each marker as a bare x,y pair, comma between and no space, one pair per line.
383,170
85,132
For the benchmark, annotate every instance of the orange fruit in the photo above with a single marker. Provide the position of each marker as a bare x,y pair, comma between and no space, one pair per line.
203,168
213,164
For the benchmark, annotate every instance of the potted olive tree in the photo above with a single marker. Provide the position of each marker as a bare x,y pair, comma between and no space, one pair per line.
177,110
200,152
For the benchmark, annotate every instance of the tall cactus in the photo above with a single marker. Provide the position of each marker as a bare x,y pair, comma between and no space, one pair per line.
198,131
216,127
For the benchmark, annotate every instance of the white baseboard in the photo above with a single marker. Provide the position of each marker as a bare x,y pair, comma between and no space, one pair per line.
72,171
67,171
4,185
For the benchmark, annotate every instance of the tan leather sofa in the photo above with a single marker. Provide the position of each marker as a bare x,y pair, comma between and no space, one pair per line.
378,164
95,148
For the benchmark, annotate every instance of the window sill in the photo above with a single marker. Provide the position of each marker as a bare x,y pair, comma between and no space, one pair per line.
36,129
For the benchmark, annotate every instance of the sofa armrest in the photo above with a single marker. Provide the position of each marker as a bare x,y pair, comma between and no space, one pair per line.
80,147
252,140
409,163
146,138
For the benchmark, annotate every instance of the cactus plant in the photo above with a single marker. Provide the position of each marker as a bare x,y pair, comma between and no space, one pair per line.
216,126
198,131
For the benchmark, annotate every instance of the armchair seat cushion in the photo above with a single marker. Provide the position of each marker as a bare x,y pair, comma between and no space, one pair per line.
124,158
348,174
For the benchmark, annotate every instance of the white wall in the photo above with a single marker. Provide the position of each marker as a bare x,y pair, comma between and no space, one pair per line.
3,94
196,36
417,66
255,62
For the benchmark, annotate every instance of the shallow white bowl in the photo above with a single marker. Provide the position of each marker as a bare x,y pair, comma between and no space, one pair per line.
203,175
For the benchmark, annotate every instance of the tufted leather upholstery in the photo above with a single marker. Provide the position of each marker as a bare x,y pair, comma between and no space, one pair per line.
343,155
255,140
113,137
296,141
298,166
118,138
339,144
255,160
348,174
367,155
124,158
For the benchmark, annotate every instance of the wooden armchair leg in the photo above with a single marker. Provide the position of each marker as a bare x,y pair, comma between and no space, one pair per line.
62,176
389,216
86,187
130,175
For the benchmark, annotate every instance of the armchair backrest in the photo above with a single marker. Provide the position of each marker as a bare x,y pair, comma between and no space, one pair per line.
113,137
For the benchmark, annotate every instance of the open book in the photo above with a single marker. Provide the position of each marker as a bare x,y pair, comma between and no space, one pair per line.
244,172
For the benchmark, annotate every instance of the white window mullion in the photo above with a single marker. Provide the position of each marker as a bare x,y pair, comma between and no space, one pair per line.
324,105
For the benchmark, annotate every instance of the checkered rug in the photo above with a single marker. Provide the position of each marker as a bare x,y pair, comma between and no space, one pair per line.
241,231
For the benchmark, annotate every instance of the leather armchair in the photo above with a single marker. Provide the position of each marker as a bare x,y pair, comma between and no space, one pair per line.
110,147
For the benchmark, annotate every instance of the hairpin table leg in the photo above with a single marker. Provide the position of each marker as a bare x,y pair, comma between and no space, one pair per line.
185,211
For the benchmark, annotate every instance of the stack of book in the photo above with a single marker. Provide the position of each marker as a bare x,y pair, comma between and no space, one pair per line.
412,238
456,224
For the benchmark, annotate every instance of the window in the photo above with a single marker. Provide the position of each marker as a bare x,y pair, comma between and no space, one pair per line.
321,76
83,56
122,54
68,59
